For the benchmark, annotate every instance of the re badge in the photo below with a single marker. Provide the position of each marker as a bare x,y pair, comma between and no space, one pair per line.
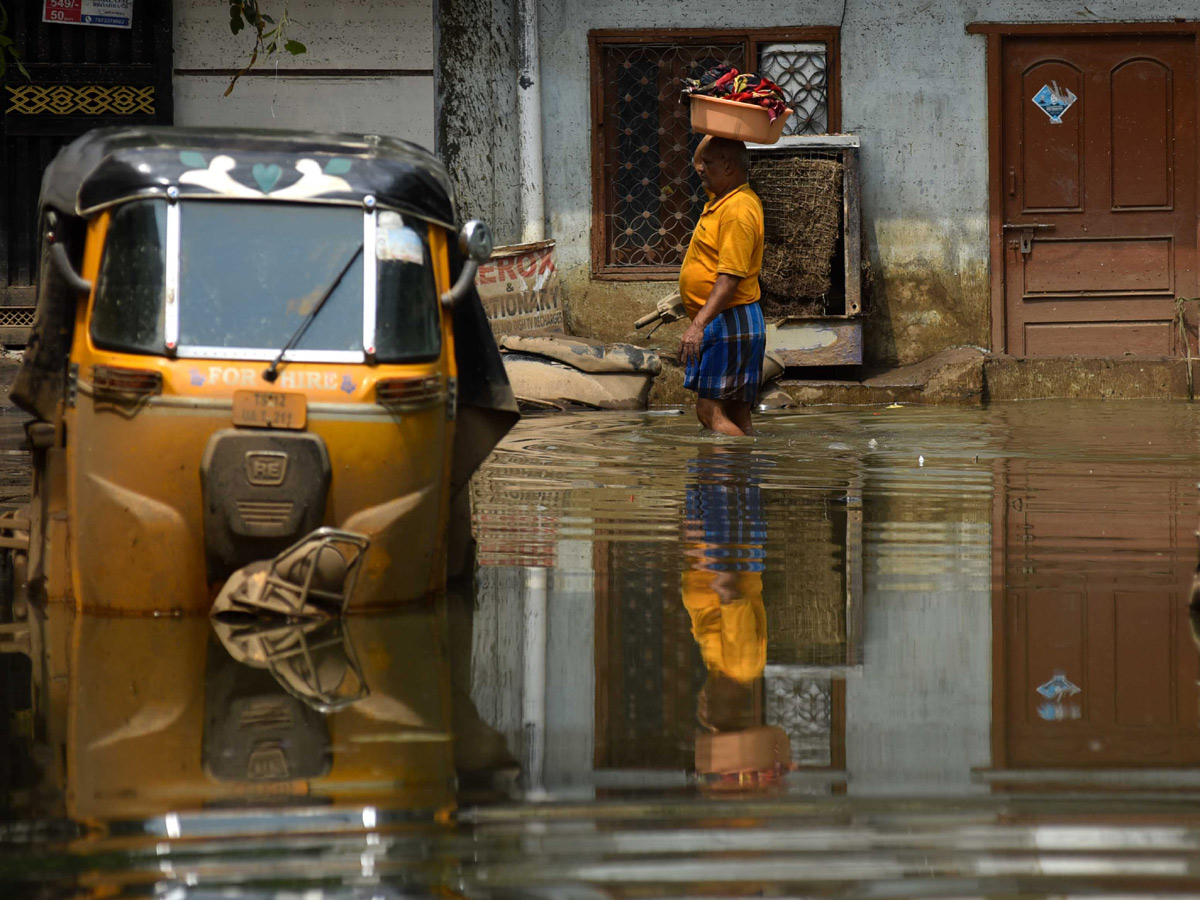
266,468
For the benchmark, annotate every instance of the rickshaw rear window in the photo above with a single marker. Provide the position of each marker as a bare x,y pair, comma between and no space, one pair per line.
250,272
129,312
406,317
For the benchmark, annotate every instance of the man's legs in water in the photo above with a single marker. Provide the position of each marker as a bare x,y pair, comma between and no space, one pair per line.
738,412
730,417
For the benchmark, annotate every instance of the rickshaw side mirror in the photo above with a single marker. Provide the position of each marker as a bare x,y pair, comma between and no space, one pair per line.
75,281
475,242
59,259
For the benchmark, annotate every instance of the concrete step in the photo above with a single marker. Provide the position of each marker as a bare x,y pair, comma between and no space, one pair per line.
967,375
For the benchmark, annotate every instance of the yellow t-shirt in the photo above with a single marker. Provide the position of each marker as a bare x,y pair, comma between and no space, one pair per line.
728,240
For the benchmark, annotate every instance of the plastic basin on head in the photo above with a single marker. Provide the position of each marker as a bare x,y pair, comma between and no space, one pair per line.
737,121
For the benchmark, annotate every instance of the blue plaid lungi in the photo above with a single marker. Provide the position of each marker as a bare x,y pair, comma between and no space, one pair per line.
731,356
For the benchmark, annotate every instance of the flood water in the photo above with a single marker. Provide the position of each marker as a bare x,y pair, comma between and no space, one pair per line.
871,652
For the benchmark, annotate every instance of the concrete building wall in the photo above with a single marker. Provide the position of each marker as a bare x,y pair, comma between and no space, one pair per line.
914,88
369,68
477,110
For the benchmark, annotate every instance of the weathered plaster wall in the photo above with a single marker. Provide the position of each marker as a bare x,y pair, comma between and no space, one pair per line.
476,110
913,87
346,35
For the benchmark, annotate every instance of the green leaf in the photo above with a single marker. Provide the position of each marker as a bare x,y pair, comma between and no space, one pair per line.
268,19
236,24
5,40
295,48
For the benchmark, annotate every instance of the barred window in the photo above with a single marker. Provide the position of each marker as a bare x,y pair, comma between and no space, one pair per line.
802,71
646,196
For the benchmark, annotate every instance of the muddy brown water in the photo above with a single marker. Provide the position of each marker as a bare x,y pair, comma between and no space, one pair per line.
873,651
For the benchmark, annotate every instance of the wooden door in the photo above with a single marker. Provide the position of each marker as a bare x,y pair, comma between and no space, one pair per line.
1099,192
81,77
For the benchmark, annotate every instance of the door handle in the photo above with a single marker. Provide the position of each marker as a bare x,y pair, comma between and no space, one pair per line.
1012,181
1027,231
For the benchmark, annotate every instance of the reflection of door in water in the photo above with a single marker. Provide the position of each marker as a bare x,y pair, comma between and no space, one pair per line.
1099,192
1097,596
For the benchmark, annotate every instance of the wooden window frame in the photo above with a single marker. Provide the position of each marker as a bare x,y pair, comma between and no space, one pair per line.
752,38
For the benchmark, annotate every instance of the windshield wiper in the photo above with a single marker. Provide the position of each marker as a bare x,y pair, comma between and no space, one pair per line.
272,371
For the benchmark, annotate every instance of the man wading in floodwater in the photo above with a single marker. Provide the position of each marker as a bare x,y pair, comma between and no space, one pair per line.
723,347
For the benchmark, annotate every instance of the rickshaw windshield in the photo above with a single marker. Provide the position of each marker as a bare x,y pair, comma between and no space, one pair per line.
250,272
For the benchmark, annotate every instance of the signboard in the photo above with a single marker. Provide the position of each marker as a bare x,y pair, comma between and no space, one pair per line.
519,289
1054,101
106,13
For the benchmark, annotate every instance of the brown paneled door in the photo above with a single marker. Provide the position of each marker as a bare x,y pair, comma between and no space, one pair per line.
1099,192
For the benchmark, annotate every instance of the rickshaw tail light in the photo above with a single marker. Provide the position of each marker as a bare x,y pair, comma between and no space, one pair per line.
409,393
130,385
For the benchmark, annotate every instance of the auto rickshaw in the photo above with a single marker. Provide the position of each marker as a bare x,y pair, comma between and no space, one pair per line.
253,351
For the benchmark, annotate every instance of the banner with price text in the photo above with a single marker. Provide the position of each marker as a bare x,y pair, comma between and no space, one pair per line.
106,13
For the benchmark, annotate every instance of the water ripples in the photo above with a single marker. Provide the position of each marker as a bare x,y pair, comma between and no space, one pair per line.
1093,469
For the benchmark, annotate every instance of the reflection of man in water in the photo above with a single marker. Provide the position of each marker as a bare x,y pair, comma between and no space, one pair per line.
724,533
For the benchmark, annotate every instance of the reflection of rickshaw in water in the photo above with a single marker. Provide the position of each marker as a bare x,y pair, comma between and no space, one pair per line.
224,758
253,351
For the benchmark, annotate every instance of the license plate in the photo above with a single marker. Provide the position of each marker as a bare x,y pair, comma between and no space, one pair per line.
269,409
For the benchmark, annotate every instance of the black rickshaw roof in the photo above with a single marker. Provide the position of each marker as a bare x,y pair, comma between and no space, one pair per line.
111,165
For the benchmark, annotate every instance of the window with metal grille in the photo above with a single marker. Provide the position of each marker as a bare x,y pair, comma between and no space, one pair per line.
646,195
801,70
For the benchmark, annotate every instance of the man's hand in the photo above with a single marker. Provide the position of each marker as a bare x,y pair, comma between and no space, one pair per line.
718,298
689,346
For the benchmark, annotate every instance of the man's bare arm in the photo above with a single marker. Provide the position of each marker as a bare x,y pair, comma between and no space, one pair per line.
718,298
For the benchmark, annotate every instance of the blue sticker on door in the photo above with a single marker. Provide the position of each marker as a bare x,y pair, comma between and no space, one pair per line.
1054,101
1057,690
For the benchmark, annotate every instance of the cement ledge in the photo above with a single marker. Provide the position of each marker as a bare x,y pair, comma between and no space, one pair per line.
952,377
969,376
1087,378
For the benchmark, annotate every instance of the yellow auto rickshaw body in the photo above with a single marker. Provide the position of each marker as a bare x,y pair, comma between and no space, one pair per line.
243,337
